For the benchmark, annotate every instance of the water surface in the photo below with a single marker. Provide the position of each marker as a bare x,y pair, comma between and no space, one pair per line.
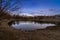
28,25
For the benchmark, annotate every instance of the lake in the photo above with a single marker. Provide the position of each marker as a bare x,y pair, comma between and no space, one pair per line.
30,25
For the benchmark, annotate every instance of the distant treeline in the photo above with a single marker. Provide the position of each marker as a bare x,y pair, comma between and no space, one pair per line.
8,16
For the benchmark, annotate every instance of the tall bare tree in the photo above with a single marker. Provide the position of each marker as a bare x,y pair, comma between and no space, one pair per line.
8,5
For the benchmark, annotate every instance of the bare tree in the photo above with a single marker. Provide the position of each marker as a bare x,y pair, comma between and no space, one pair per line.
7,5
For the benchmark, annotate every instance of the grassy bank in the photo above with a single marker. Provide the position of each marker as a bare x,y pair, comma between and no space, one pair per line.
45,34
8,33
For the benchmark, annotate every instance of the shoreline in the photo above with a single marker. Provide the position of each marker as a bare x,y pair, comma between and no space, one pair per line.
8,33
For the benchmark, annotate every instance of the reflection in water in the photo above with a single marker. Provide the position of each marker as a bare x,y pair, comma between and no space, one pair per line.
27,25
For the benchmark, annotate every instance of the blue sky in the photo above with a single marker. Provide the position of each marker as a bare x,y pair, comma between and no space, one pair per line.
38,7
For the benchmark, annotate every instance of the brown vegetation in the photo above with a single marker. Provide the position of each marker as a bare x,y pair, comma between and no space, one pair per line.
8,33
52,33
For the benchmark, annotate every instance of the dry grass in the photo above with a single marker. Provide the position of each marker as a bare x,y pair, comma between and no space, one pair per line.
45,34
8,33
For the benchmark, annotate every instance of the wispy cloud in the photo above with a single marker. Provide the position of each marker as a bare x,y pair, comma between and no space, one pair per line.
39,7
